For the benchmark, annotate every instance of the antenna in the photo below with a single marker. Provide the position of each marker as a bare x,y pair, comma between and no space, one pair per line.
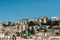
17,17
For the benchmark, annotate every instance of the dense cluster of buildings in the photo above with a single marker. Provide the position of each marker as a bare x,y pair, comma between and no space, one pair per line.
40,28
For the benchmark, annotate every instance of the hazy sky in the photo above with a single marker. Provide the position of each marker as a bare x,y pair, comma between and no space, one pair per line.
18,9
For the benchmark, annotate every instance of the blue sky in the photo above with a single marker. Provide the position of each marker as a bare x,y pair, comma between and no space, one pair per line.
19,9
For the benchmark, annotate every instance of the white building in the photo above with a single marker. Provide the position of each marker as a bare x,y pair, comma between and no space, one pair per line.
55,18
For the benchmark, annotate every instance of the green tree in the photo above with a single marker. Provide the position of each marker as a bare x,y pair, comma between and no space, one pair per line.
50,27
4,25
9,23
32,31
45,30
54,23
17,33
13,37
31,23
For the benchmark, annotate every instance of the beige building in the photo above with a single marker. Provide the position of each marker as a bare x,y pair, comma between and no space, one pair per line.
43,19
54,37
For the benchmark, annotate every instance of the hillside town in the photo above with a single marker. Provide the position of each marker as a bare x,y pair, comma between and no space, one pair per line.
41,28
